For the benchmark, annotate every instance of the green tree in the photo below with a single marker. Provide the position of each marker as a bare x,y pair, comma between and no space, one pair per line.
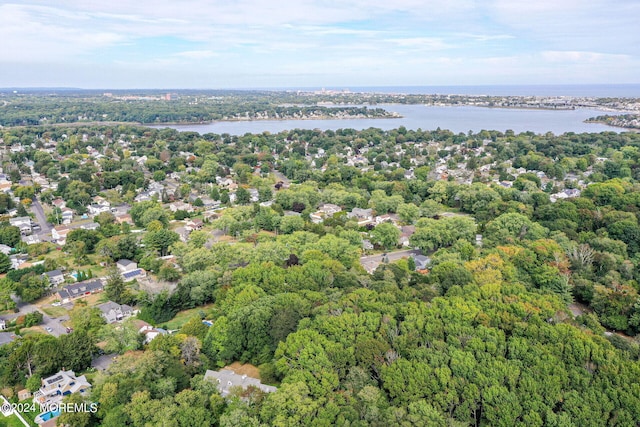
160,240
242,196
386,235
115,288
5,263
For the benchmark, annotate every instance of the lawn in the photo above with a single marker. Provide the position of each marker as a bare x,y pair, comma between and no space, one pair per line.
10,421
32,330
183,317
55,312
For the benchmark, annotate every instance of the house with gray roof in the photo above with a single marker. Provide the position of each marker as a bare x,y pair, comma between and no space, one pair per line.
79,290
55,277
422,262
114,312
226,379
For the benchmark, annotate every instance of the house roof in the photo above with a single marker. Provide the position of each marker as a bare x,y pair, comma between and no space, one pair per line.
226,379
132,274
125,262
53,273
108,306
80,288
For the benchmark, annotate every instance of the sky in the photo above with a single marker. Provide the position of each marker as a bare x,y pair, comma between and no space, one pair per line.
316,43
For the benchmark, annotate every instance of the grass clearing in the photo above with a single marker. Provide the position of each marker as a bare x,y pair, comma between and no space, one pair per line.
183,316
55,312
32,330
11,421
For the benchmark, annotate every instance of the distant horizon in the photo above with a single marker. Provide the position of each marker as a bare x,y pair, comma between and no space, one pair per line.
616,90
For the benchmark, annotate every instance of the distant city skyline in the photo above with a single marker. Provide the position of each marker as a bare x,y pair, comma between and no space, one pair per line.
333,44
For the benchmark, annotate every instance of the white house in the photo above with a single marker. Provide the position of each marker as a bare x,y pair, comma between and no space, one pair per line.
23,223
129,270
57,386
363,216
59,234
98,209
55,277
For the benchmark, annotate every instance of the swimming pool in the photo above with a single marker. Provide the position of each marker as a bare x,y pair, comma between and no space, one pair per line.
46,416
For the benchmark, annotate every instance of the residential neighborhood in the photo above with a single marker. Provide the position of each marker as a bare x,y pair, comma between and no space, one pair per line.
162,253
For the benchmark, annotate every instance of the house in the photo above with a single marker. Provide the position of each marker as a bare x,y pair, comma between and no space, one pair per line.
149,331
144,196
125,217
23,223
5,187
113,312
66,215
98,209
30,240
90,226
194,224
392,218
59,203
254,195
329,209
567,193
363,216
406,231
59,234
55,277
422,262
59,385
367,245
409,174
180,206
316,217
226,379
5,249
125,265
24,394
79,290
129,270
17,260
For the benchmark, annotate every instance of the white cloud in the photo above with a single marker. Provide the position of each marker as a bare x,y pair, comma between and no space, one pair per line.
196,54
355,40
585,57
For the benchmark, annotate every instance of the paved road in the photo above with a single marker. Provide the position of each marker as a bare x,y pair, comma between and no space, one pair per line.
45,228
280,177
371,262
393,256
55,324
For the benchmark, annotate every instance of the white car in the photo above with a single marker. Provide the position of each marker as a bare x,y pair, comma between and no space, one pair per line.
49,329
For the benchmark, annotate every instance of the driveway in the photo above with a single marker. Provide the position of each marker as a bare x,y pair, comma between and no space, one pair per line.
40,217
370,263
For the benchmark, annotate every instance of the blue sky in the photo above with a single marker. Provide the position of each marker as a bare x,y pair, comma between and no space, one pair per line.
317,43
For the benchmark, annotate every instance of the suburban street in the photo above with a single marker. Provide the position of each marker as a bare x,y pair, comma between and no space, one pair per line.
371,262
55,324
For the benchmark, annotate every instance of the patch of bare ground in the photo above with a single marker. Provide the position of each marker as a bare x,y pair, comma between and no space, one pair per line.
246,369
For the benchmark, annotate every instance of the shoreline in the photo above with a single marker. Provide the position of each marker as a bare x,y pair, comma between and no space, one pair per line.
391,115
604,122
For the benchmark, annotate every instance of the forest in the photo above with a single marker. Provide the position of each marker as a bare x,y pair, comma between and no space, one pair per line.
535,323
